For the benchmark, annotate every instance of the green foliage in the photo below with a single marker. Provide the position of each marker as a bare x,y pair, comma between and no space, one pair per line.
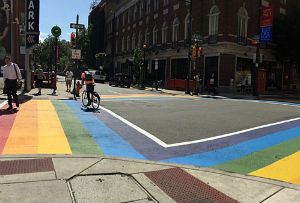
101,59
85,44
138,58
286,36
45,53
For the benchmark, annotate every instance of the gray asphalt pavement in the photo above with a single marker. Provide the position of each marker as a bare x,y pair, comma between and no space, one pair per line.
176,121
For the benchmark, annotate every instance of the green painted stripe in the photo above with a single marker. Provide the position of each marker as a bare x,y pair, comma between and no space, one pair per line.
262,158
80,140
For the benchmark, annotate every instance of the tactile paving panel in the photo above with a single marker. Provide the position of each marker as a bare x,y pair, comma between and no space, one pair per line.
26,166
183,187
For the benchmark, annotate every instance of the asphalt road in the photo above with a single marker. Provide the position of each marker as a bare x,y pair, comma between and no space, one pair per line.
178,120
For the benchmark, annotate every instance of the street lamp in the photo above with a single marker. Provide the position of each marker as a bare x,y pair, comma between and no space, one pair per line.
144,66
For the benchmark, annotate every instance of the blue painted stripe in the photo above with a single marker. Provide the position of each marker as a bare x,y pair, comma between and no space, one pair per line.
236,151
148,98
109,141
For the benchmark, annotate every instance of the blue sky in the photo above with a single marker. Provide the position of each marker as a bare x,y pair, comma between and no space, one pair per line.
62,13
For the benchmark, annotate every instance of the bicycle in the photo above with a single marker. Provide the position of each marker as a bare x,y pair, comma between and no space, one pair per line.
95,100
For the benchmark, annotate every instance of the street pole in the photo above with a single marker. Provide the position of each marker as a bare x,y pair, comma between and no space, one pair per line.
76,46
12,44
189,49
256,67
56,54
143,69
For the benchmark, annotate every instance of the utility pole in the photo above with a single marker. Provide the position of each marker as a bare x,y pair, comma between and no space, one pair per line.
188,91
256,67
12,44
76,71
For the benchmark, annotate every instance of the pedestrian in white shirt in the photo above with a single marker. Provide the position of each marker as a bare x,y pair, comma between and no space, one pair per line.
11,77
69,77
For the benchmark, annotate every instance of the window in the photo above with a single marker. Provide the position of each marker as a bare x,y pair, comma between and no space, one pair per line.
141,9
242,23
116,50
213,24
133,42
140,40
147,36
128,44
129,16
123,19
175,30
166,2
134,12
123,44
156,4
164,33
187,26
148,8
117,24
155,31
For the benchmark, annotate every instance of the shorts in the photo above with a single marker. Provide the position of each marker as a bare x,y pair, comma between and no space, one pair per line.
69,82
39,83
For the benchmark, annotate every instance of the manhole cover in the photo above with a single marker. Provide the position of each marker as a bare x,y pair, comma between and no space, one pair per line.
106,188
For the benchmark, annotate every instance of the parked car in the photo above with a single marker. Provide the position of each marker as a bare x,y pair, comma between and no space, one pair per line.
100,76
120,79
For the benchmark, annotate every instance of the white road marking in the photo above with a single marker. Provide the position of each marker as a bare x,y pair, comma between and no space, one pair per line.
3,104
163,144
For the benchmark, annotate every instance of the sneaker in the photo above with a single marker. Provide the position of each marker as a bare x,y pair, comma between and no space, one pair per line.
39,93
17,104
9,108
89,104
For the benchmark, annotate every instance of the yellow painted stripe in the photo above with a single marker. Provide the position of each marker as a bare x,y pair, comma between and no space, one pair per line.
286,169
142,96
23,137
52,138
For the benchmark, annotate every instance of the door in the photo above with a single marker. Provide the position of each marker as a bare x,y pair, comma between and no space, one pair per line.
211,67
262,80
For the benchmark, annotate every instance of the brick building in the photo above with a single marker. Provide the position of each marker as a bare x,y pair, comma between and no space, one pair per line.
227,28
18,31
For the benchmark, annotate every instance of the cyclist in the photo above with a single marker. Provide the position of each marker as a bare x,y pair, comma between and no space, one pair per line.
88,79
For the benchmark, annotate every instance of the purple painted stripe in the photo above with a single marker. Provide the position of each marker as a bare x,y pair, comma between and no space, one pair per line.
153,151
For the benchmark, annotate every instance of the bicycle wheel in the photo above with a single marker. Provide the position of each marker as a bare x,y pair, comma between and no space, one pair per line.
95,101
84,98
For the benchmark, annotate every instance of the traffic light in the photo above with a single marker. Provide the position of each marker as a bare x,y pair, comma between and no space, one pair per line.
200,49
72,41
194,52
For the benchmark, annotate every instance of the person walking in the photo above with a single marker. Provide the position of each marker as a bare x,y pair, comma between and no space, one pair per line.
39,78
197,83
212,84
69,78
11,76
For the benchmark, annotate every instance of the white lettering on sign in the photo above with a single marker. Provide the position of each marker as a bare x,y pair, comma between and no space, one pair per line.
30,26
31,5
30,15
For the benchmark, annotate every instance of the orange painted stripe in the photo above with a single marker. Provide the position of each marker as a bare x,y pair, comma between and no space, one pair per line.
23,137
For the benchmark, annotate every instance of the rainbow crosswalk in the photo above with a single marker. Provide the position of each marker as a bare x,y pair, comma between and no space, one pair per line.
64,127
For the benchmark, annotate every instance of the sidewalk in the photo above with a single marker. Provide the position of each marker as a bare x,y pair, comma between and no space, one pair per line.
112,179
273,97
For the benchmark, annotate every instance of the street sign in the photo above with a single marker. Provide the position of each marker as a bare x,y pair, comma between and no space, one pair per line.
265,34
56,31
78,26
32,15
31,40
76,54
267,16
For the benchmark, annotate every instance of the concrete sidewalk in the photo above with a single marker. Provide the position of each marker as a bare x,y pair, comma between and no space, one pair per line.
63,178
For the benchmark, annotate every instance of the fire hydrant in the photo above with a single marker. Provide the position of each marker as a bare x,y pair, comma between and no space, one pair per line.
78,87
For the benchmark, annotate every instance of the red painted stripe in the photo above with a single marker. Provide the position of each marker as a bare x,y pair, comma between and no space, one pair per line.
7,119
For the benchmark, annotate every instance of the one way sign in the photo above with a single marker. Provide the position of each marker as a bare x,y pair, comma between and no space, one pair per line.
31,40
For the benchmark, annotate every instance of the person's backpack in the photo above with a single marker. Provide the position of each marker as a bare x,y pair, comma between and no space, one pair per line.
88,76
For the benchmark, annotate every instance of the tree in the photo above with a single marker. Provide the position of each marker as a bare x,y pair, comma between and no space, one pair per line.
138,61
45,54
286,36
85,44
101,59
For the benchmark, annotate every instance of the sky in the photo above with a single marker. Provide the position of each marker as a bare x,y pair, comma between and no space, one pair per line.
62,13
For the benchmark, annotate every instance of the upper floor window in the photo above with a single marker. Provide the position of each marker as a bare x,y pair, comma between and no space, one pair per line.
141,9
128,44
155,32
164,33
123,44
187,26
140,40
156,4
133,42
116,50
117,23
129,16
242,22
175,30
148,7
134,13
166,2
147,36
214,21
124,17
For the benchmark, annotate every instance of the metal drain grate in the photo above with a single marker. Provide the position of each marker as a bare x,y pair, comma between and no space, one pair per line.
183,187
26,166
